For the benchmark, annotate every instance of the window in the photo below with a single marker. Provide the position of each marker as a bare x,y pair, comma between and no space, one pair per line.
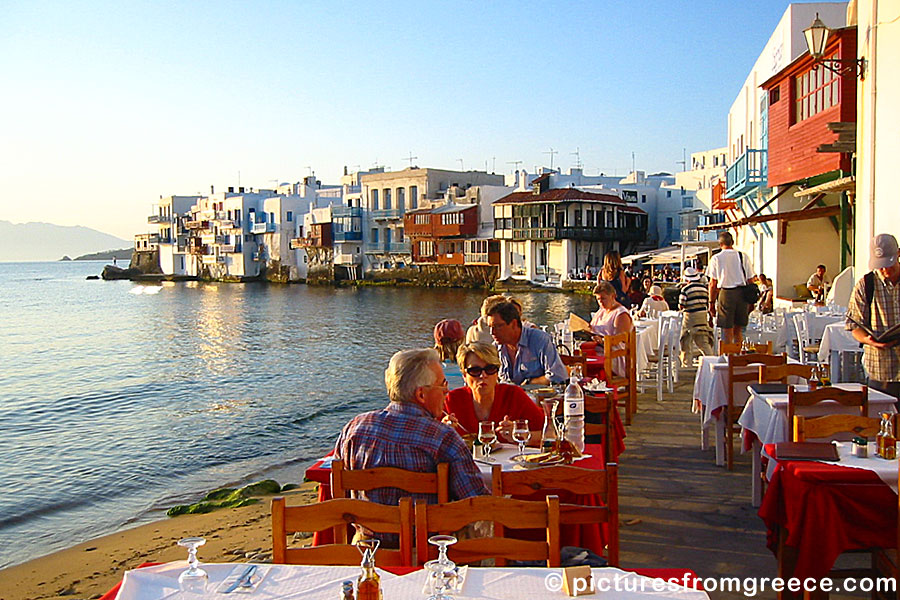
422,219
401,198
451,218
374,199
687,202
668,193
643,198
774,95
578,218
815,91
374,235
413,196
387,199
290,216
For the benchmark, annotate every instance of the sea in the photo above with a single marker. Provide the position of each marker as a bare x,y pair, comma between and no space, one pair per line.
119,400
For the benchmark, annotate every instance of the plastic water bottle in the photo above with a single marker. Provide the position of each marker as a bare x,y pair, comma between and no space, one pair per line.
573,410
568,338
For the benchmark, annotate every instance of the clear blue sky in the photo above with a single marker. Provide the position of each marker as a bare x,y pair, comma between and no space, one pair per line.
107,106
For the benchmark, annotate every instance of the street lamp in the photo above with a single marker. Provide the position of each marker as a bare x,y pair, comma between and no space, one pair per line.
816,38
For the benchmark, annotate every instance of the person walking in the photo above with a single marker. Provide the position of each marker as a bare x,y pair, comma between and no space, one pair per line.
695,330
875,303
728,272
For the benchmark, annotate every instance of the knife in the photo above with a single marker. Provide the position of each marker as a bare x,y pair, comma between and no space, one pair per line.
245,576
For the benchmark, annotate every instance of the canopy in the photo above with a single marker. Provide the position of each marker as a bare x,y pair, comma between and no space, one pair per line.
666,256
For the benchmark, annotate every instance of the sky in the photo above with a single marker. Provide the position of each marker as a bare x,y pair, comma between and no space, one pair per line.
105,107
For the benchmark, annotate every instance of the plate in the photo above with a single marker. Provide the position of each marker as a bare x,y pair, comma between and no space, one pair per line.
519,459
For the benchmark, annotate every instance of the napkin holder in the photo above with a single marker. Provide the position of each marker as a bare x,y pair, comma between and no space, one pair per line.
577,581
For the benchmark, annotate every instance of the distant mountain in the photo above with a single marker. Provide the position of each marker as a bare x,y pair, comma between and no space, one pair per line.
45,241
122,254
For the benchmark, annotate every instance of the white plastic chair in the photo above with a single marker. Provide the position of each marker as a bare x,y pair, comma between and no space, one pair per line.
804,346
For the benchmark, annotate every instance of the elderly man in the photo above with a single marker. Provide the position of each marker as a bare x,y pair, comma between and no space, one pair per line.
527,355
875,303
408,433
695,331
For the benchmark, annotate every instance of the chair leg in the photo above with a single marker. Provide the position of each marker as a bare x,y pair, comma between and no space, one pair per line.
729,444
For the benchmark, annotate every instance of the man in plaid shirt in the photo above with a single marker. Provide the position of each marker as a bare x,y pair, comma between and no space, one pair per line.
880,359
408,433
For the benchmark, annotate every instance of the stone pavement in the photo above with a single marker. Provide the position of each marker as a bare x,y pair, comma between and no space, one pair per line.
677,508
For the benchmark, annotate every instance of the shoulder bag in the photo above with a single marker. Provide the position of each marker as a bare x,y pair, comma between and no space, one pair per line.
749,291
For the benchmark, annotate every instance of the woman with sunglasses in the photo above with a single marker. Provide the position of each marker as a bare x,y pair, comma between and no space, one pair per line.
485,399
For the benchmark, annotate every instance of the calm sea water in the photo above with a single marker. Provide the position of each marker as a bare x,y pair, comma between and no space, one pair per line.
115,405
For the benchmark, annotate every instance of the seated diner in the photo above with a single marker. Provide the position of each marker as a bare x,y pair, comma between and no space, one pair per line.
611,319
484,398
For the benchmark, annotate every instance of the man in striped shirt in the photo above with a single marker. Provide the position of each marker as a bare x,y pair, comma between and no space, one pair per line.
695,330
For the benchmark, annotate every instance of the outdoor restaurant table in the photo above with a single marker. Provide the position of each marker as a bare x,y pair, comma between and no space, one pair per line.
710,396
764,421
324,582
835,340
827,509
590,536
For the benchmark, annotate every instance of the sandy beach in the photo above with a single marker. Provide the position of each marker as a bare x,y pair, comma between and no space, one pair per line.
89,569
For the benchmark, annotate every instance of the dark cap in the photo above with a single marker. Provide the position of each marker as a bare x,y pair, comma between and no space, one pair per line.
883,252
448,329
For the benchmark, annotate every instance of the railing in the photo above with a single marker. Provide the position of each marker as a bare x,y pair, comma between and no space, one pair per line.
262,227
748,172
348,236
346,211
226,223
476,258
392,248
580,233
198,224
154,219
211,238
386,213
538,233
346,259
228,249
209,259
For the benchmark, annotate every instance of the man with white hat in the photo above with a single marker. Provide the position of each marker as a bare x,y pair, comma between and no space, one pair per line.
875,303
695,330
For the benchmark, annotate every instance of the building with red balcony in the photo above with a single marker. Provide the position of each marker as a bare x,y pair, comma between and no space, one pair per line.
447,235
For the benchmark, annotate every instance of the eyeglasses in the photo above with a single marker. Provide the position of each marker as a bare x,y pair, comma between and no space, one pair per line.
488,370
441,384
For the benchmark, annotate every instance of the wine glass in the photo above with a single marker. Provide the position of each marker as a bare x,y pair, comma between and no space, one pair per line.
487,436
442,572
521,434
193,580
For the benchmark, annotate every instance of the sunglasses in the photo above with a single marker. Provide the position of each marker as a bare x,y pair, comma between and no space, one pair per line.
488,370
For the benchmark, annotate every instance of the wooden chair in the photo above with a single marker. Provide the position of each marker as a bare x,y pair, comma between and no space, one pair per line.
758,347
780,373
726,348
365,480
622,346
797,399
504,513
830,425
595,406
338,514
762,347
733,410
571,361
602,483
804,344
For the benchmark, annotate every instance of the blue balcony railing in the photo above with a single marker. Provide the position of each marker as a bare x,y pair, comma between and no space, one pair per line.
390,248
262,227
348,236
387,213
346,211
748,172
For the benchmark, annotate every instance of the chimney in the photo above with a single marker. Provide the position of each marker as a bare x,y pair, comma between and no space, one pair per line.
212,190
240,190
230,189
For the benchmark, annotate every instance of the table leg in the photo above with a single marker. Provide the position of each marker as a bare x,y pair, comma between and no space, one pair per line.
720,442
704,434
756,484
836,367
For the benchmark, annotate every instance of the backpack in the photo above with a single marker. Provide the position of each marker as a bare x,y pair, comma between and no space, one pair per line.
869,289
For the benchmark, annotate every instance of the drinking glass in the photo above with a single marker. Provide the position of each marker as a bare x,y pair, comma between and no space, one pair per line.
192,580
521,434
487,436
442,572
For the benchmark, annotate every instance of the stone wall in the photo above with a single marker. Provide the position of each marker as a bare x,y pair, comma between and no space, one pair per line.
146,261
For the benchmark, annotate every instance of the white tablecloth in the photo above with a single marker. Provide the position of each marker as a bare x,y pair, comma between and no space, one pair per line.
835,340
766,416
315,583
817,324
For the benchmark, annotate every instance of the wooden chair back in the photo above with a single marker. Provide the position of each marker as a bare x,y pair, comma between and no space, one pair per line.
796,399
739,374
780,373
504,513
726,348
595,406
830,425
343,480
338,514
622,346
762,347
601,483
571,361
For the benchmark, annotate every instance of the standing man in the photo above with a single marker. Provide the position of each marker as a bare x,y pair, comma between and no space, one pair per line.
527,355
875,302
408,433
817,282
728,271
693,301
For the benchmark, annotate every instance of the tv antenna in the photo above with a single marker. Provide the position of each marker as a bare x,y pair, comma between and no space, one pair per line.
411,158
552,153
514,162
577,155
683,161
461,167
493,164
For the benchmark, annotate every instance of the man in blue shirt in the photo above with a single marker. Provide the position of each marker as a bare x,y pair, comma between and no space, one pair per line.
527,355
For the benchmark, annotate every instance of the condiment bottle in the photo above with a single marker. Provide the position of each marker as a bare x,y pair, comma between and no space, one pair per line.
889,442
368,586
347,591
879,439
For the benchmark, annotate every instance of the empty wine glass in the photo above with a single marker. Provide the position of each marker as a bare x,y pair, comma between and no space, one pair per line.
442,572
192,580
521,434
487,436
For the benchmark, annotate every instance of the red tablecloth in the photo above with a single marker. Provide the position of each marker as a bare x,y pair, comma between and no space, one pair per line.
590,536
826,510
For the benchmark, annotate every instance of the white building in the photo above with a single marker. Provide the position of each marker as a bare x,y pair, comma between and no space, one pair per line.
171,236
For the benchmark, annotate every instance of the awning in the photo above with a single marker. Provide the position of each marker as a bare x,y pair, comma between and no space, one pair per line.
666,256
843,184
791,215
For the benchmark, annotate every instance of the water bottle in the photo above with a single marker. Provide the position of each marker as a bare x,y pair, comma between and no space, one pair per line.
567,338
573,410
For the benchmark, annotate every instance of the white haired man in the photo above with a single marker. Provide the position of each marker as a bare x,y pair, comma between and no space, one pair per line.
408,434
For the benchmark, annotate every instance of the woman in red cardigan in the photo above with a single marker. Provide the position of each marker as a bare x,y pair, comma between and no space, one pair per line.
485,399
